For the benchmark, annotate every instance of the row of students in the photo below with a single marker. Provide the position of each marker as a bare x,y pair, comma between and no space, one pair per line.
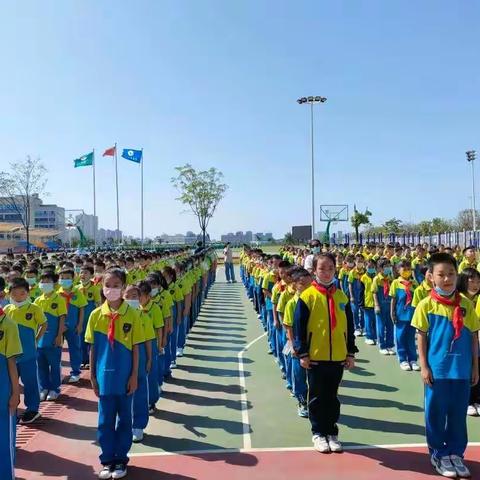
441,312
68,296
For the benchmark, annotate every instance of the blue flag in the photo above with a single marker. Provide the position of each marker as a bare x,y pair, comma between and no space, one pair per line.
132,155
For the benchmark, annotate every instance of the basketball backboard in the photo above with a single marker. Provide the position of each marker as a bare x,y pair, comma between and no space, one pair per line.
333,213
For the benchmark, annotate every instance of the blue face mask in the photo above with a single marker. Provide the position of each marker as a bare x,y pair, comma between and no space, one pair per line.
316,250
371,271
387,270
65,282
444,293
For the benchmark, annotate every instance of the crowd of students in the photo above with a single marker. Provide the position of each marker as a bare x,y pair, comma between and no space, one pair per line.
124,317
419,303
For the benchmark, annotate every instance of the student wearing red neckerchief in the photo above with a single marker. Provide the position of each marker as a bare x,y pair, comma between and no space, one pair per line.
447,327
323,339
401,311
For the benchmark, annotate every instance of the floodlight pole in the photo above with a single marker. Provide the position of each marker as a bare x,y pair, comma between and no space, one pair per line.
471,155
312,101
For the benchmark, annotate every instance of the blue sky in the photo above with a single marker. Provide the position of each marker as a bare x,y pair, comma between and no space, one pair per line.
214,83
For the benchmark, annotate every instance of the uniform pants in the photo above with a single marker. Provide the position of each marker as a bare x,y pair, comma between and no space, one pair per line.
446,402
49,364
153,386
299,377
475,393
84,346
405,336
28,372
384,327
271,332
8,425
181,338
323,403
280,339
358,316
114,428
74,350
370,324
229,271
140,402
289,371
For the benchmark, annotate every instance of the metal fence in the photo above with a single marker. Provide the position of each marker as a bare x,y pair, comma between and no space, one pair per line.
450,239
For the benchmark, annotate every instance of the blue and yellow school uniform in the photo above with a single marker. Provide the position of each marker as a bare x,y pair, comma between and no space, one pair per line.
268,281
93,297
466,264
421,292
49,355
369,313
404,332
178,297
10,346
133,276
450,362
417,264
29,318
113,366
75,302
343,280
357,303
34,293
380,284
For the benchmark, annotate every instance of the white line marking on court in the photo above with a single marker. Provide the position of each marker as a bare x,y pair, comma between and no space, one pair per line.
286,449
247,439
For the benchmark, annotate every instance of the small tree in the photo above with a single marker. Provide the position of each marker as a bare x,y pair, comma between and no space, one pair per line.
201,191
288,239
358,219
440,225
25,179
394,225
464,220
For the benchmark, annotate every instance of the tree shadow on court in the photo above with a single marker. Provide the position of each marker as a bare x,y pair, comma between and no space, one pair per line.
211,358
377,425
361,360
378,403
194,422
214,372
52,466
209,386
408,461
200,400
368,386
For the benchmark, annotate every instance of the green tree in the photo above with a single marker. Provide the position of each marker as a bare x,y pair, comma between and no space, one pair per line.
440,225
25,179
201,191
424,227
288,239
358,219
394,225
464,220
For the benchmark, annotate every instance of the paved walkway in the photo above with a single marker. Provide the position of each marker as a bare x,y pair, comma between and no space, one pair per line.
216,406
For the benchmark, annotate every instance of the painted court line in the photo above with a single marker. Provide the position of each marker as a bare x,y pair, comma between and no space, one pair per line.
247,439
284,449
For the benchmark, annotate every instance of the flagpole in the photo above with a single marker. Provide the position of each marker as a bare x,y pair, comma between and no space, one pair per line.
116,187
141,189
94,203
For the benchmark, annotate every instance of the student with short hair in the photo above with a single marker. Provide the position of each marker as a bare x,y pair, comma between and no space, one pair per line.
447,327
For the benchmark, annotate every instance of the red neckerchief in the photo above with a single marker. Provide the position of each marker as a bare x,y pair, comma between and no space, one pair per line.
408,291
2,312
281,287
329,292
113,316
68,297
386,287
96,280
457,311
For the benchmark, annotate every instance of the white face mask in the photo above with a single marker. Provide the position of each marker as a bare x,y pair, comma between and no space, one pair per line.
133,303
19,304
154,292
46,287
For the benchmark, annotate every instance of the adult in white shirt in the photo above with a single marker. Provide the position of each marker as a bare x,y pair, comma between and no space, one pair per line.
228,260
315,249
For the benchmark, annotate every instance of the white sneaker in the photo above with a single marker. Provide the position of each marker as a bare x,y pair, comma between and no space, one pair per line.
137,435
461,469
357,333
334,444
179,352
369,341
74,379
119,471
173,365
391,351
477,406
302,410
52,396
405,366
444,467
43,395
105,473
415,366
472,411
320,444
384,351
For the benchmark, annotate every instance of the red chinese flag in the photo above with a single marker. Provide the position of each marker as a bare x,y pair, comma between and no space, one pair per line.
109,152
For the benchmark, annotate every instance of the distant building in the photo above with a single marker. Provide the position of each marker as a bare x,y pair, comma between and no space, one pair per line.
88,224
106,236
178,238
